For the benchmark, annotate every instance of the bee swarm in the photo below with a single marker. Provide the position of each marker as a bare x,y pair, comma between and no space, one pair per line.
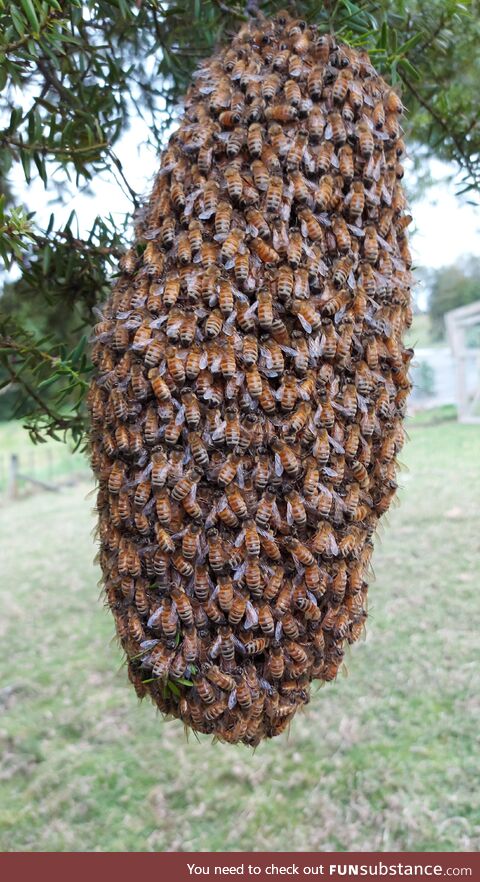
251,383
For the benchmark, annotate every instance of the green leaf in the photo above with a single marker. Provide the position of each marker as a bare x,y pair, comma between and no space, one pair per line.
405,47
31,15
383,37
173,688
409,68
45,384
77,353
18,21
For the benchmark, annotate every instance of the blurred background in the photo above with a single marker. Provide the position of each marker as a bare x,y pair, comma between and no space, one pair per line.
385,758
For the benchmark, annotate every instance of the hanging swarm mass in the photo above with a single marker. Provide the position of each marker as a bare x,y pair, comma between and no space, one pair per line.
251,383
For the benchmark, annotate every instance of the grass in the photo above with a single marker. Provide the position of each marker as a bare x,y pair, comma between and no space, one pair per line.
420,334
50,461
384,759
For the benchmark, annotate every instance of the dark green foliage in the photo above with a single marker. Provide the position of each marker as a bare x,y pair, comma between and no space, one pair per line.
451,287
74,75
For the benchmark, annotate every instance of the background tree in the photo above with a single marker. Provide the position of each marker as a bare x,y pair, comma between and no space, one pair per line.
73,77
451,287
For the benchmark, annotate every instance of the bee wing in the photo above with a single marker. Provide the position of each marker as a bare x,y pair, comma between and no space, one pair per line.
303,394
180,417
154,618
149,506
251,618
232,699
241,476
278,466
218,432
239,539
305,325
148,644
362,403
215,647
239,572
332,545
336,446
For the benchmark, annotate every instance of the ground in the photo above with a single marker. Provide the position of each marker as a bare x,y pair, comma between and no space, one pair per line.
385,758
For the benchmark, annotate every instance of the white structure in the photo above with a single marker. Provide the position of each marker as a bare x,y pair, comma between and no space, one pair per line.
459,322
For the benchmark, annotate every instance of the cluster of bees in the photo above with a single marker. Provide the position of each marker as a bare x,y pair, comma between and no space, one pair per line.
251,382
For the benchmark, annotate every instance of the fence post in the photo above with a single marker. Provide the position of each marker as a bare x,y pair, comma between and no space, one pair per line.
13,477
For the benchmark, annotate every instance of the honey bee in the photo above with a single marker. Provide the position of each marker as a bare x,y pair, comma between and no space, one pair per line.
117,477
296,512
215,550
235,500
253,381
210,198
287,393
315,83
356,199
324,194
265,252
299,550
190,541
260,174
337,128
185,485
183,605
274,194
119,404
228,470
256,646
340,86
345,163
315,125
294,250
159,386
311,225
370,244
341,233
252,539
255,140
365,139
265,310
308,316
324,156
205,690
339,583
287,457
219,678
234,182
265,508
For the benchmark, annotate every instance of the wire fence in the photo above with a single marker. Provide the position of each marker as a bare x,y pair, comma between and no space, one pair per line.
40,467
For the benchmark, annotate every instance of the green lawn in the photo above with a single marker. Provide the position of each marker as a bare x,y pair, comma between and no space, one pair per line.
50,461
384,759
420,334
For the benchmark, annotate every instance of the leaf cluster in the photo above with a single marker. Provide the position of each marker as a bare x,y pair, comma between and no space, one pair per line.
76,74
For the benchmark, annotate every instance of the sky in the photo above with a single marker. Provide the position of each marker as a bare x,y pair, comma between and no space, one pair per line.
445,227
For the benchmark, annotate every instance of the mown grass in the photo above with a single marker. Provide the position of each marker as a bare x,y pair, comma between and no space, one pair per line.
384,759
420,334
50,461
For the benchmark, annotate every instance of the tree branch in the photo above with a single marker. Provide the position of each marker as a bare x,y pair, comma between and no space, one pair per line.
463,157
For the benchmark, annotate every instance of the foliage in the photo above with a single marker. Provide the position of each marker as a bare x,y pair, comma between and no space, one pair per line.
74,75
423,378
451,287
